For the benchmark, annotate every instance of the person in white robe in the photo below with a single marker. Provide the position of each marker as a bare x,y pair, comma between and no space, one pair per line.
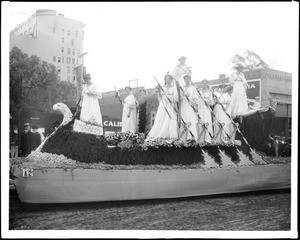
204,109
221,116
129,116
239,105
180,70
90,109
188,114
165,123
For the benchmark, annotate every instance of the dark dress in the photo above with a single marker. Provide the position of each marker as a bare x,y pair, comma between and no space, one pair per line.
26,143
36,140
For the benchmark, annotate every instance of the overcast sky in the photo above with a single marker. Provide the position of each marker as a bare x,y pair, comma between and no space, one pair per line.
127,41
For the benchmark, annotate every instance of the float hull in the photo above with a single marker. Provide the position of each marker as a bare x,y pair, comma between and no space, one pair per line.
94,185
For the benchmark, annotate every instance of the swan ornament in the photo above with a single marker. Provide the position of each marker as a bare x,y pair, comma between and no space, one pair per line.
65,110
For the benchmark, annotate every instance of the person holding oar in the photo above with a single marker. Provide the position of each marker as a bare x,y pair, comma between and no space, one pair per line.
165,123
187,112
129,116
205,102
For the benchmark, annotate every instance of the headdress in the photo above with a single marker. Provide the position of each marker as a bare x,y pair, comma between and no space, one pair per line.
168,75
128,88
181,58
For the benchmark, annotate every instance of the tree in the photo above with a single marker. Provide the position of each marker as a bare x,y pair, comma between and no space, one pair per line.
34,84
250,60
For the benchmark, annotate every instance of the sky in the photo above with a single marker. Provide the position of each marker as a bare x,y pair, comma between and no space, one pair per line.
128,41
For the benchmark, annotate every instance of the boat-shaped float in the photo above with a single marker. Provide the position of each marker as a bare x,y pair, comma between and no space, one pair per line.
73,165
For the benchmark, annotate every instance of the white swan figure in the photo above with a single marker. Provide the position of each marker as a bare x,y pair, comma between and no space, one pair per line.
68,116
64,109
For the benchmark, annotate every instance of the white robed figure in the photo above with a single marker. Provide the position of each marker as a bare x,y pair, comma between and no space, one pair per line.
204,110
188,114
90,109
239,105
129,116
165,123
180,70
221,116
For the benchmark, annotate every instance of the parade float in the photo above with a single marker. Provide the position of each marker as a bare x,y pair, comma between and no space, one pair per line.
76,163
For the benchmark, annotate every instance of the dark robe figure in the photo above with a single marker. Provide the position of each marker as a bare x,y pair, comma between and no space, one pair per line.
36,140
26,141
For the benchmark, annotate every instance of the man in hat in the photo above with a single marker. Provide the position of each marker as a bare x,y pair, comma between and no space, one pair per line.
36,137
26,141
181,70
90,110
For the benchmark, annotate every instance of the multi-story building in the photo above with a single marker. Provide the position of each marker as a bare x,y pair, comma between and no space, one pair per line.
54,38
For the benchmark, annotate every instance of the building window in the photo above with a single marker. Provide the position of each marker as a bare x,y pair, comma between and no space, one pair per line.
62,39
73,60
63,31
73,51
68,60
68,32
62,49
76,33
78,52
58,69
72,42
58,59
69,69
63,59
69,50
54,59
25,33
53,30
68,78
73,70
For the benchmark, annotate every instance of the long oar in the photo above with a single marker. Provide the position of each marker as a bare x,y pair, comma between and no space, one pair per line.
184,123
162,99
118,96
226,160
256,157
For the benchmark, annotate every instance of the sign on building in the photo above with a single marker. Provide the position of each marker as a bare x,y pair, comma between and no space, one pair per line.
111,124
253,90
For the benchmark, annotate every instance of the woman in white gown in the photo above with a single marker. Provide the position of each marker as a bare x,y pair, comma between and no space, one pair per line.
90,109
129,116
181,70
204,110
239,104
188,114
222,117
165,123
